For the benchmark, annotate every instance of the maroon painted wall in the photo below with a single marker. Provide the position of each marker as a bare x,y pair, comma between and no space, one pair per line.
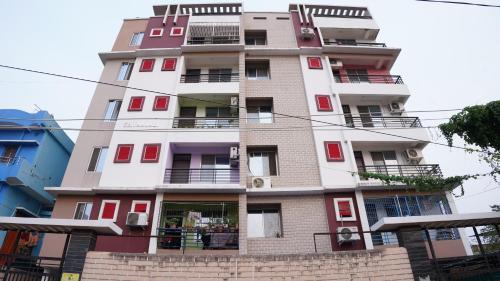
315,42
165,41
123,244
333,223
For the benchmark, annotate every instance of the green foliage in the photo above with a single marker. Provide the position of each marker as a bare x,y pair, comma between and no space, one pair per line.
490,236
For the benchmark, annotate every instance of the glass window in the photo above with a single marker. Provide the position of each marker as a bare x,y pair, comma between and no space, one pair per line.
83,210
262,163
137,39
255,37
112,110
358,75
257,70
125,71
260,114
97,159
264,221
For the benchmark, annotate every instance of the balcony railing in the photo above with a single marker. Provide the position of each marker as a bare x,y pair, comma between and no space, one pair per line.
371,79
9,160
207,33
349,43
404,170
220,238
214,40
202,176
211,78
382,121
206,122
338,11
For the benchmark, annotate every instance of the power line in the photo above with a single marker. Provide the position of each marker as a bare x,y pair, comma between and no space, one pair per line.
234,106
460,3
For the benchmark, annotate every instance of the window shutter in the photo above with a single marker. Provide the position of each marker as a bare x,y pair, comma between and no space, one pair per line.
333,150
314,63
151,153
344,208
161,103
169,64
108,211
124,153
324,103
147,65
136,103
141,207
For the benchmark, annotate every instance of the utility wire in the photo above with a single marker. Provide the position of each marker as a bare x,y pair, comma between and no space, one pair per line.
234,106
460,3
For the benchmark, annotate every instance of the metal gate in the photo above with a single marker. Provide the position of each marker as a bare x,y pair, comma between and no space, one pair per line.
29,268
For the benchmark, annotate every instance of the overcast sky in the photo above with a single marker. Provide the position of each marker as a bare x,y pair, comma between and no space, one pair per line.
449,59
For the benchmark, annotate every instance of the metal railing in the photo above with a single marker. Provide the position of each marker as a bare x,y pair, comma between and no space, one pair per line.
208,33
403,170
9,160
371,79
349,43
382,121
212,40
198,238
208,176
338,11
211,78
18,267
206,122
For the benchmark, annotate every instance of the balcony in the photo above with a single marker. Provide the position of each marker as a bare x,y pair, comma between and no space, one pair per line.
432,170
370,79
373,85
353,43
370,121
206,123
210,78
202,176
213,36
348,47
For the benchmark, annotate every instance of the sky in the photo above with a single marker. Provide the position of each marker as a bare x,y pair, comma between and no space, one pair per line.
449,60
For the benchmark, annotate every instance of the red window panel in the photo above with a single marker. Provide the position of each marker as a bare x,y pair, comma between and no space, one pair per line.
147,65
161,103
141,207
333,150
314,63
151,153
156,32
169,64
344,209
124,153
324,103
177,31
108,211
136,103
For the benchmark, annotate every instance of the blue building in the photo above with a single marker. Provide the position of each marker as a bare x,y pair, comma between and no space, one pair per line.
32,156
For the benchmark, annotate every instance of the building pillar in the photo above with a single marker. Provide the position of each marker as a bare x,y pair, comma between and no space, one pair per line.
154,224
413,240
80,242
365,226
242,227
461,231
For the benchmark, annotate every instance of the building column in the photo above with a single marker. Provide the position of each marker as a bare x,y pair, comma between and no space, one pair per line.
242,209
80,242
461,231
154,224
363,218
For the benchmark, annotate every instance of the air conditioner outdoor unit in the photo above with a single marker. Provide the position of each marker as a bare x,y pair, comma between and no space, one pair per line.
234,152
307,33
395,108
335,64
261,182
413,155
137,219
347,234
234,101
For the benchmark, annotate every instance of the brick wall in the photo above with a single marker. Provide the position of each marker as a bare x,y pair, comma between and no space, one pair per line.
387,264
301,217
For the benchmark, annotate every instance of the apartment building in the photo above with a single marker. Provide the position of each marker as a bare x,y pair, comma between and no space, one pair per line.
243,133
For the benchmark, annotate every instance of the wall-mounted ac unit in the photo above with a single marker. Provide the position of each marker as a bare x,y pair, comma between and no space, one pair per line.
234,152
413,155
336,64
234,101
347,234
261,182
395,108
137,219
307,33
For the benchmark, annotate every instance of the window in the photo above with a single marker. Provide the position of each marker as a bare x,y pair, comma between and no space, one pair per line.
169,64
314,63
147,65
349,121
358,76
125,71
324,103
257,70
219,75
97,159
151,153
109,209
140,206
215,168
262,161
333,150
136,39
264,221
136,103
177,31
82,211
259,111
255,37
222,117
156,32
385,162
161,103
371,115
344,209
124,153
112,110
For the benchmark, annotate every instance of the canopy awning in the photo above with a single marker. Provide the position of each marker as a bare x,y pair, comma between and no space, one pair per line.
437,221
58,225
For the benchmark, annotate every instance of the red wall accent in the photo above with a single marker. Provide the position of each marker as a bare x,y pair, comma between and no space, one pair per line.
123,244
165,41
333,223
315,42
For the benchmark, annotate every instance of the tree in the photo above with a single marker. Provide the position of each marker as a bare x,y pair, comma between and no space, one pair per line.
491,238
